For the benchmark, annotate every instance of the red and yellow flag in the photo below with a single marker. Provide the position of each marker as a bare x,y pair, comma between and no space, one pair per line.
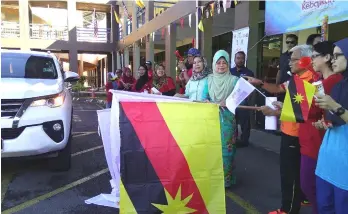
298,100
171,158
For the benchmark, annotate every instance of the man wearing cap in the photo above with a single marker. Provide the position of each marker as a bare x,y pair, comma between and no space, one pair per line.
186,68
149,69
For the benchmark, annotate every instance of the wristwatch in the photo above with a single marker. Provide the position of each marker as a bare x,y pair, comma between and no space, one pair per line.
340,111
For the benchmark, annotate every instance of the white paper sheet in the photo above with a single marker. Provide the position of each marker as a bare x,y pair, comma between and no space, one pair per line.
271,121
240,92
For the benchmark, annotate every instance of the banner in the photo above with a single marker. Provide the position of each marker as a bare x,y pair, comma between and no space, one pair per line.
289,16
240,41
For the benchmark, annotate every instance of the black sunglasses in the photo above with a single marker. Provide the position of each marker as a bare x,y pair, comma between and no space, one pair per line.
290,42
335,55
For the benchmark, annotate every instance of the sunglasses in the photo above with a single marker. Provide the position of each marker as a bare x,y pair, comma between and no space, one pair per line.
336,55
290,42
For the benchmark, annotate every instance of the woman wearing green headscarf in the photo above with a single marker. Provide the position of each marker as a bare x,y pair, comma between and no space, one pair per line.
220,85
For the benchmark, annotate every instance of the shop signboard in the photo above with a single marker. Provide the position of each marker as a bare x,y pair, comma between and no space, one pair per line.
240,39
289,16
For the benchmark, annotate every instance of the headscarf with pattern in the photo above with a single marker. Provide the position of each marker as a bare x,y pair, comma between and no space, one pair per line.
204,73
158,82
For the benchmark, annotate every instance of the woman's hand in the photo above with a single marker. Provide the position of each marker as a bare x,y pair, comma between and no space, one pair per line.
253,81
223,103
181,65
322,125
268,111
326,102
277,104
181,76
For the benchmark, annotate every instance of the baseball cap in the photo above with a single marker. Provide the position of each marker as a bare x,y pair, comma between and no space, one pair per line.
148,63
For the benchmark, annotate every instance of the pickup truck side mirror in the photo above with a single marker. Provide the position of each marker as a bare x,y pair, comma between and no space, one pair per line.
71,76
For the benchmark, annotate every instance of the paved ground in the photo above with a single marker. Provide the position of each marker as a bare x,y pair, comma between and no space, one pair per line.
28,187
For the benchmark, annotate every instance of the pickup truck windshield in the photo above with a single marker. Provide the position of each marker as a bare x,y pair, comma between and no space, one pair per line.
17,65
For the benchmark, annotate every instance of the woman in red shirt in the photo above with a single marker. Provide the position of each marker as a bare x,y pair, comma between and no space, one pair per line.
165,85
143,84
311,138
126,81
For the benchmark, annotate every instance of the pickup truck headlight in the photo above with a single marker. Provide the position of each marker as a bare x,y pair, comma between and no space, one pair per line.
51,102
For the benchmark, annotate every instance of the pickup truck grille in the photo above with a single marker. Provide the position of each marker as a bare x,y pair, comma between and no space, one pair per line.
9,133
10,107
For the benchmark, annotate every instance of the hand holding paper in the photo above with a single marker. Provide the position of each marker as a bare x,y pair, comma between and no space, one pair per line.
240,92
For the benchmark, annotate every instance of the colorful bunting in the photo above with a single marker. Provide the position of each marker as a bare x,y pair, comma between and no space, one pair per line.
126,11
117,18
225,5
228,4
199,13
190,20
200,25
140,3
212,5
163,32
182,22
207,12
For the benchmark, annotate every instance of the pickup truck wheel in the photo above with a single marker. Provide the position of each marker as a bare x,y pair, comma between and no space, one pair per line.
63,161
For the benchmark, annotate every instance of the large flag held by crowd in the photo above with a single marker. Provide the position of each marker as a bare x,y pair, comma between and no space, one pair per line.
170,158
298,100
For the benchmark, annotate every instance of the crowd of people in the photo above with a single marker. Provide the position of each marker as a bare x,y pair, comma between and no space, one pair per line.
313,154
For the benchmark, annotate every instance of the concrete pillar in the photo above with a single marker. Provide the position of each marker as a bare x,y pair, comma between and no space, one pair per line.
247,14
118,60
124,26
24,24
108,26
126,57
105,69
30,15
136,56
81,65
71,20
101,73
170,47
134,17
136,45
73,61
206,41
114,25
110,62
149,13
198,32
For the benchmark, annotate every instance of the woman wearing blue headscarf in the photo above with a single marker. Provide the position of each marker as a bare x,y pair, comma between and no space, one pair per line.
220,85
332,165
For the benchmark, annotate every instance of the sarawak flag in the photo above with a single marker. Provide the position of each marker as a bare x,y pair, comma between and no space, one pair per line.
171,158
298,100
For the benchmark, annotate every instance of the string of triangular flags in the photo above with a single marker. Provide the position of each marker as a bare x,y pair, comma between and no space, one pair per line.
209,10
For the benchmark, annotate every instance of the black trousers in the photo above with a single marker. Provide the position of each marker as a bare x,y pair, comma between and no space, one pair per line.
290,164
243,119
